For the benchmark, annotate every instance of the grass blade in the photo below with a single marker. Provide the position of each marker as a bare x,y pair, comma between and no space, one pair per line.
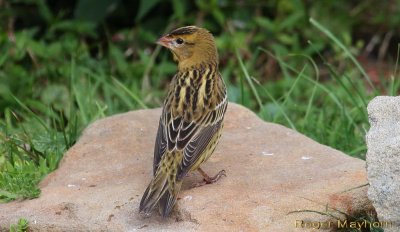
130,93
248,78
346,51
270,96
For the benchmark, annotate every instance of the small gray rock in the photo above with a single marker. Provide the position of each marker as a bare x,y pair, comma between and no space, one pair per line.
383,159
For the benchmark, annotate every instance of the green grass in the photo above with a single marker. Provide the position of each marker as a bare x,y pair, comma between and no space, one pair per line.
21,226
332,112
53,87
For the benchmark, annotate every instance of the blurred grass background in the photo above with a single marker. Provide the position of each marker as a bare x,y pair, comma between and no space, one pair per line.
312,66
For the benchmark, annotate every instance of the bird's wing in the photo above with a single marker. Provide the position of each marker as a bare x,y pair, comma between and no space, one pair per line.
194,137
197,146
191,137
161,144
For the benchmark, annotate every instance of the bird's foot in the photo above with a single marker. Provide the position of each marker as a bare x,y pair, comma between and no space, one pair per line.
207,179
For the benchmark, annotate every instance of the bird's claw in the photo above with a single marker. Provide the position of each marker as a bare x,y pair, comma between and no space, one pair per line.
210,180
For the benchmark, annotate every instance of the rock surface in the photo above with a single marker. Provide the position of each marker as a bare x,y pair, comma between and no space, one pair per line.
271,171
383,158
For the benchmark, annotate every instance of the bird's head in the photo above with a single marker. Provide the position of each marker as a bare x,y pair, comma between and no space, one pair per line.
191,46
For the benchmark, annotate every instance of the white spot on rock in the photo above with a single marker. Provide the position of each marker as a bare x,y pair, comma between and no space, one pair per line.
306,157
187,198
267,153
71,185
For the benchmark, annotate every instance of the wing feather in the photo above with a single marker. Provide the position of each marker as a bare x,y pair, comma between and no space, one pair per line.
160,146
192,137
199,142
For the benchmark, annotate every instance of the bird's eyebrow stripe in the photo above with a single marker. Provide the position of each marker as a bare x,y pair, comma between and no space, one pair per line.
184,31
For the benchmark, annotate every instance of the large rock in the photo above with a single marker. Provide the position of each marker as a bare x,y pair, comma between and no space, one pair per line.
271,171
383,159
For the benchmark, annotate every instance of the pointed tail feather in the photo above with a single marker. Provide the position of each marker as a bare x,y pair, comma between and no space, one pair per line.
168,199
156,189
160,191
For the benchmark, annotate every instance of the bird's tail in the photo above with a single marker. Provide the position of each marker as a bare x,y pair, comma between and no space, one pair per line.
163,189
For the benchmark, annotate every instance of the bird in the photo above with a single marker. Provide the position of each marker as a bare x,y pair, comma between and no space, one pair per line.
192,117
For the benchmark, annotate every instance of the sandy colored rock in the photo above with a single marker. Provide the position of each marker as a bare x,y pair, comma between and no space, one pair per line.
271,171
383,159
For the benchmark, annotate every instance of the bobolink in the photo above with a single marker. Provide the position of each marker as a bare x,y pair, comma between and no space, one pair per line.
192,118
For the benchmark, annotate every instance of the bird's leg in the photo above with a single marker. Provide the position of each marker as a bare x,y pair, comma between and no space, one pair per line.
207,179
210,180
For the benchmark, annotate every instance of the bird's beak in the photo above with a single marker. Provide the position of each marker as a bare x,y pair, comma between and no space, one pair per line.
165,41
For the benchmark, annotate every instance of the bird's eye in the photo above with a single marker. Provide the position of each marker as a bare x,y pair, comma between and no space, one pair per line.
179,41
